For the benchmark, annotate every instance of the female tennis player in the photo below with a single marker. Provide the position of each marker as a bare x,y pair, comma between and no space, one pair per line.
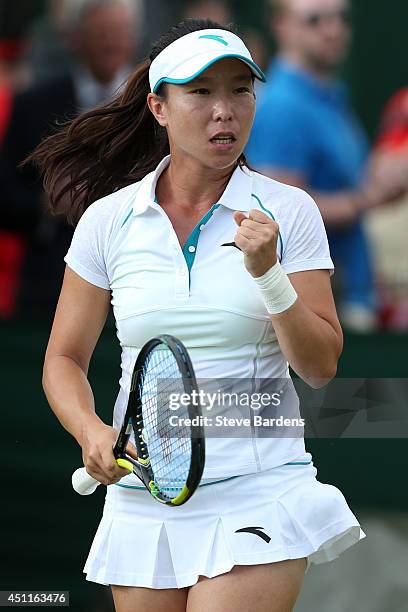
159,184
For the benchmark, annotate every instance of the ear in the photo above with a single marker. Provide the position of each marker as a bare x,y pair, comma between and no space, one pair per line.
157,106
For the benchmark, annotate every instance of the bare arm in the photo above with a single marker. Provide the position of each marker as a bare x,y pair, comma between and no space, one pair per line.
309,332
79,319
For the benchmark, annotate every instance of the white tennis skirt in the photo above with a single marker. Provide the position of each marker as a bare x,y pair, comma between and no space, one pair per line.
282,513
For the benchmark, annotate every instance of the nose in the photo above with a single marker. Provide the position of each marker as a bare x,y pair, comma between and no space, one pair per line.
222,109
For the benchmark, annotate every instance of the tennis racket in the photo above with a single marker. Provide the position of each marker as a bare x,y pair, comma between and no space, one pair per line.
171,458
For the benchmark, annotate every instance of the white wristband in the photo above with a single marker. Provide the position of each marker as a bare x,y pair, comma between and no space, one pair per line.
276,289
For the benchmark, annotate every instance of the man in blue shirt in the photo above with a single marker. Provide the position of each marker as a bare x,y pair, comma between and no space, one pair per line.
306,134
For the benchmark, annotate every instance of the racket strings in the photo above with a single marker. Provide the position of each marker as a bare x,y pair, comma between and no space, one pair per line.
169,446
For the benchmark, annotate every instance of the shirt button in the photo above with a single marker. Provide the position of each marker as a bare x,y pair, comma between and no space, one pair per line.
191,249
202,226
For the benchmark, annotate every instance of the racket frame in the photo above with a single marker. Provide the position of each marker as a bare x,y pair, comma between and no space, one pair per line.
133,421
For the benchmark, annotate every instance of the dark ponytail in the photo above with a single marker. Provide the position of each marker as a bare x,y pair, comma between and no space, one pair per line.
111,146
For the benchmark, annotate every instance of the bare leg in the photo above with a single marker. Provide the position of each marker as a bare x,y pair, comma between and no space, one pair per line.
140,599
269,587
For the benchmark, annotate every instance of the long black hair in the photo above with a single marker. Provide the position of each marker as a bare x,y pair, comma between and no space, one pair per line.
111,146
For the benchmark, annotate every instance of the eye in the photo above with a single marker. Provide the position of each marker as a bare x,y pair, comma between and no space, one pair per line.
244,90
201,90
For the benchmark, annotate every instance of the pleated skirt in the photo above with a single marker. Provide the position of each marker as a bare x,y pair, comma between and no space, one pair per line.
282,513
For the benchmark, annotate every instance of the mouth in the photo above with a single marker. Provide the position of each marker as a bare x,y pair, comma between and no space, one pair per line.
224,140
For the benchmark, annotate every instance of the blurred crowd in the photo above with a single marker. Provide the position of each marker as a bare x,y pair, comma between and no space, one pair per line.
76,54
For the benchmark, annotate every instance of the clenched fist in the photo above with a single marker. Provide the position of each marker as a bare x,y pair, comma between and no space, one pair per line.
257,237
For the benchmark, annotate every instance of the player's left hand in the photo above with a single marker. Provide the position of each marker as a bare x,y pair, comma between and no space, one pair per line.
257,237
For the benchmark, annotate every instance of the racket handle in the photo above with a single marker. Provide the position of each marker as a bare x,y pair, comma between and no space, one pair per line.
84,484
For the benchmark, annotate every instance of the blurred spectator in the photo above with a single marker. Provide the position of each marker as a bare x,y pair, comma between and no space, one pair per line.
6,94
49,52
256,43
216,10
102,43
12,245
306,134
388,226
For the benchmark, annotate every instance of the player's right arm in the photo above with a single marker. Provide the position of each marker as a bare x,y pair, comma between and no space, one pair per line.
79,319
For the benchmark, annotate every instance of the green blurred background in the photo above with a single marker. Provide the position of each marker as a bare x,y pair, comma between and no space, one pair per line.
47,529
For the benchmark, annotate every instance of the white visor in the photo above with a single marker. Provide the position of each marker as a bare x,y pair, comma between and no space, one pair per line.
186,58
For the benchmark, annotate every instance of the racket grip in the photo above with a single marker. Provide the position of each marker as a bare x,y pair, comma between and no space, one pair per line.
84,484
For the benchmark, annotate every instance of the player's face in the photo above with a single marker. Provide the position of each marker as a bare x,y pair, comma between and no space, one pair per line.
210,118
318,30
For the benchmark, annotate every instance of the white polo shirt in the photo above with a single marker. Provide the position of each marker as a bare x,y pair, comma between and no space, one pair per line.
201,293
